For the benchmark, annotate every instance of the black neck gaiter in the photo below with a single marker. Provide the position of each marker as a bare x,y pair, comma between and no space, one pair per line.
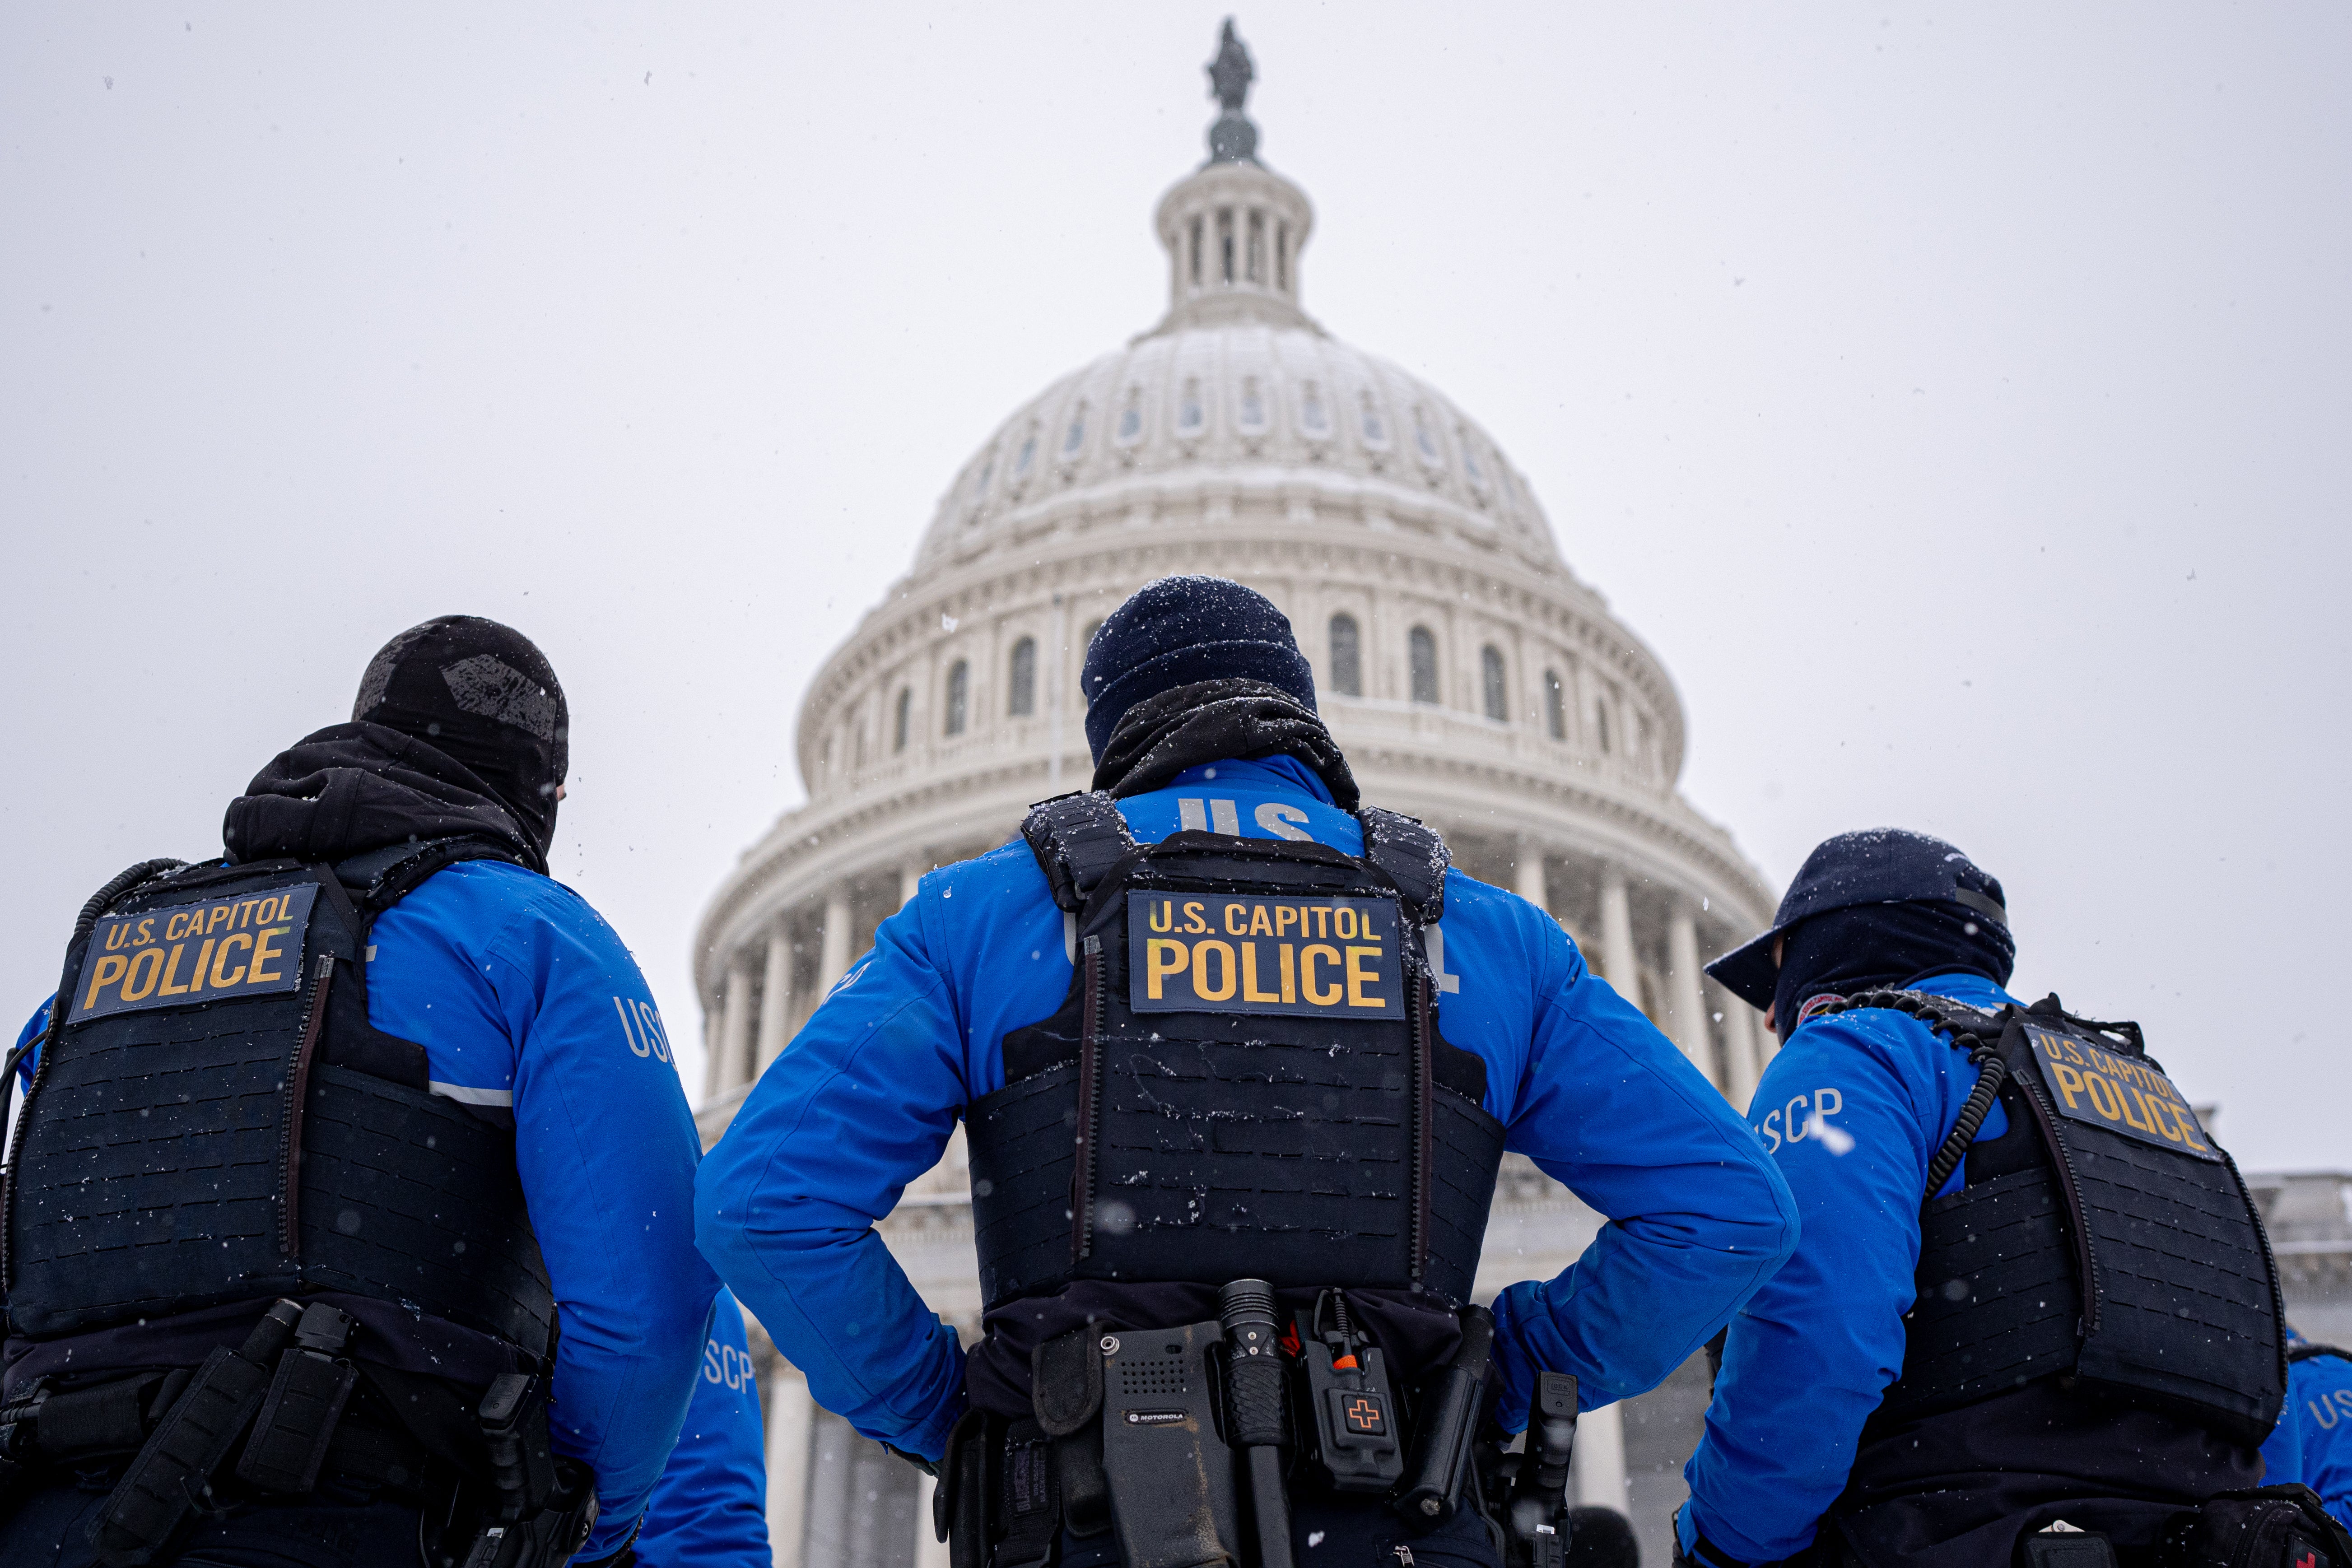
1884,947
352,788
1211,720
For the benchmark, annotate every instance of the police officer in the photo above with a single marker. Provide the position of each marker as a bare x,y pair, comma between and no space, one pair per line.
709,1509
1931,1380
2312,1441
320,1131
1218,1022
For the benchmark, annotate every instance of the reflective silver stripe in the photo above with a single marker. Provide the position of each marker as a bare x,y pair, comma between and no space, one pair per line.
466,1095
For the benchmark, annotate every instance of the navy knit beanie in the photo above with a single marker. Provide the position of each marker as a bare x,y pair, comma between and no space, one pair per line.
1179,630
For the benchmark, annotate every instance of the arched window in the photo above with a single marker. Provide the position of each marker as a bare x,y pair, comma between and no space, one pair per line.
1376,429
1313,417
959,696
1347,656
899,724
1601,724
1190,414
1076,436
1491,683
1555,706
1470,459
1021,698
1421,650
1252,405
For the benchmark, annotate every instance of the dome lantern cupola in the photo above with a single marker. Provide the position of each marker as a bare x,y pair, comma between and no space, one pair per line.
1233,229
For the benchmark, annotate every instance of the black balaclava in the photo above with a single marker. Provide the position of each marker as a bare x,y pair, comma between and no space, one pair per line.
483,694
1884,947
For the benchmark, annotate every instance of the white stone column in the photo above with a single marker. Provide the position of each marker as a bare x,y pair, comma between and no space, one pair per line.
833,962
1686,998
910,875
776,997
1060,664
714,1024
1528,875
930,1551
791,1413
1741,1067
735,1031
1619,964
1599,1459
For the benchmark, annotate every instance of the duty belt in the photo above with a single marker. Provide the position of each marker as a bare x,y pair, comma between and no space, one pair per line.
278,1404
1186,1441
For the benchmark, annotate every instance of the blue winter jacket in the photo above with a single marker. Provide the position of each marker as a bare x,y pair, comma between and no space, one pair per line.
867,1096
711,1507
526,1001
2312,1441
1852,1109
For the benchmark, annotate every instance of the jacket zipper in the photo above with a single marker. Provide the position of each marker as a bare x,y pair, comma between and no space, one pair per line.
1422,1113
290,1121
1082,1171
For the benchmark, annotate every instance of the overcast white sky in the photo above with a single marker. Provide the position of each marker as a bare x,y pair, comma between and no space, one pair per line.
1957,398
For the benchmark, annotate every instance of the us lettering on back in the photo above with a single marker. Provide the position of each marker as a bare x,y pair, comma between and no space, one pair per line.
2123,1094
244,944
1252,952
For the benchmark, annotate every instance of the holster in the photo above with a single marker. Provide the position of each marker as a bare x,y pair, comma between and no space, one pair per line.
959,1505
550,1536
1008,1489
542,1508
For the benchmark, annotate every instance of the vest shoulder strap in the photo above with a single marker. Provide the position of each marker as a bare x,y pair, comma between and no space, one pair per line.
2305,1352
1414,856
382,878
1968,1028
104,899
1940,1014
1077,838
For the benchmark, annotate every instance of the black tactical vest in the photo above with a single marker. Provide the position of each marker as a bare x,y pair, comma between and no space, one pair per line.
1246,1077
213,1120
2106,1240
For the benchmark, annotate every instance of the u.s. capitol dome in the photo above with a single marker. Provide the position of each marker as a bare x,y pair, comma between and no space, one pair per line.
1473,680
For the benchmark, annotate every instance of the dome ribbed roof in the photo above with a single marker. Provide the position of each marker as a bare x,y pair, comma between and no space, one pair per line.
1287,401
1237,383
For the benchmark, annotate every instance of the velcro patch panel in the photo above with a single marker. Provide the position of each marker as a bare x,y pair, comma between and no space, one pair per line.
241,944
1254,952
2123,1094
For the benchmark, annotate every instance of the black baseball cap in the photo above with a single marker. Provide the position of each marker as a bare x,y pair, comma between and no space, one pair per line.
1879,866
